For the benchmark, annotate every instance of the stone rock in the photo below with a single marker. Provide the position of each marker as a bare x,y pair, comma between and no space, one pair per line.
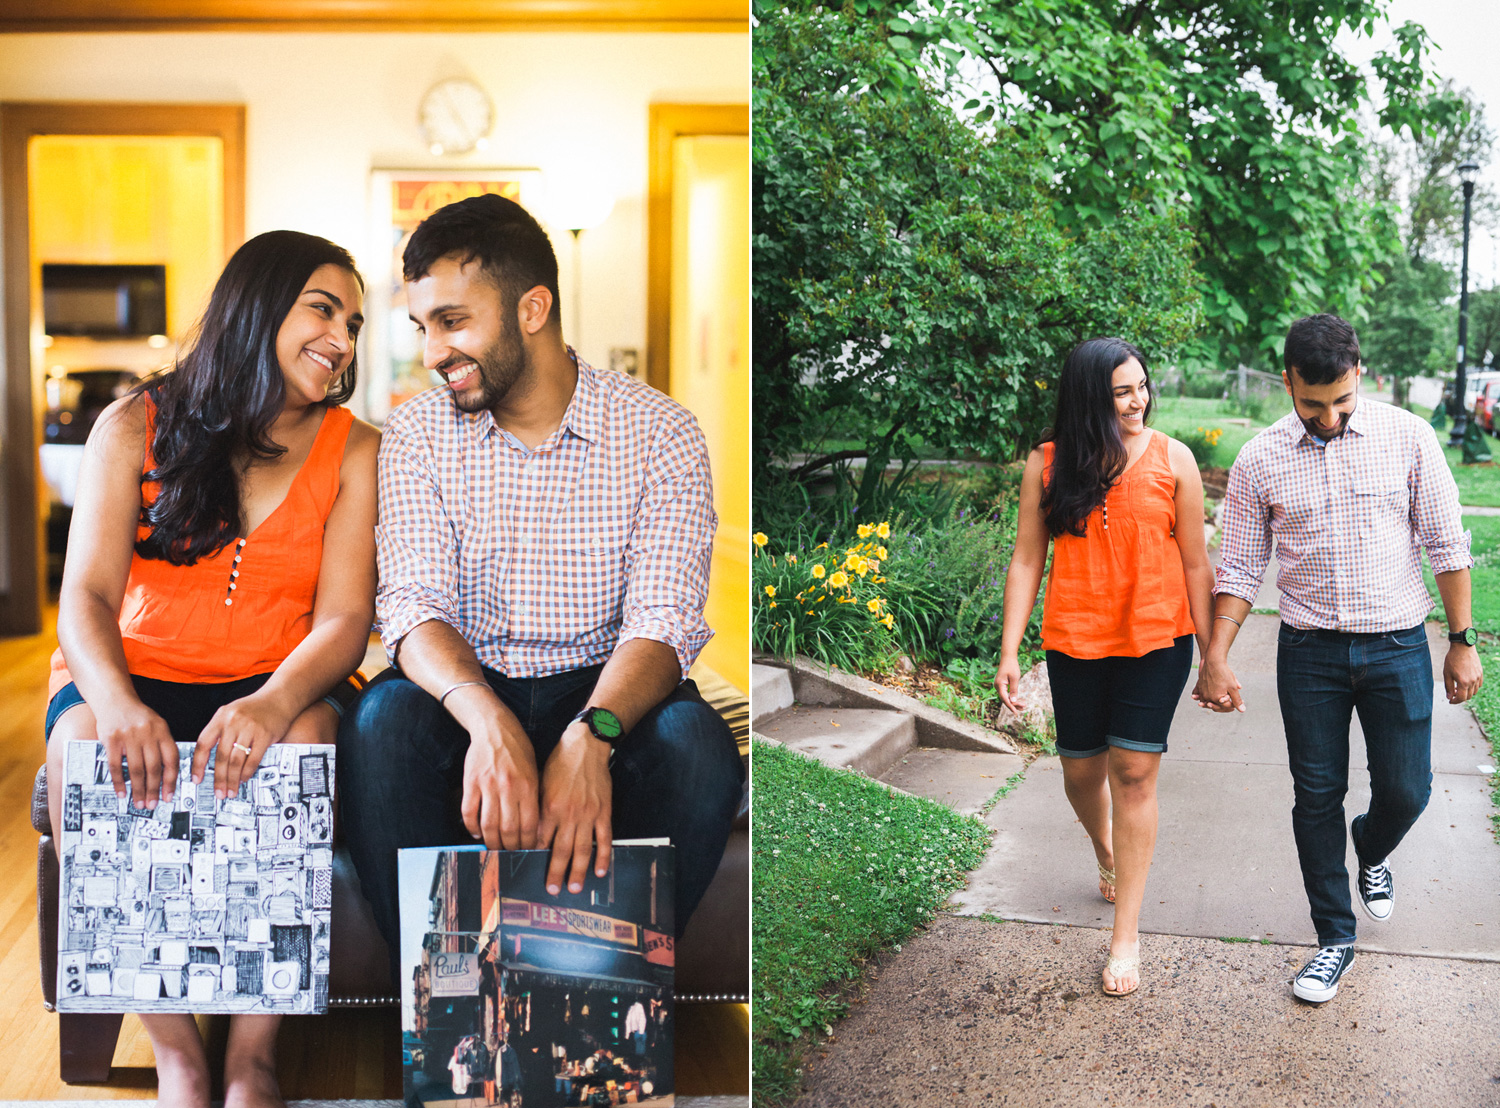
1035,692
906,665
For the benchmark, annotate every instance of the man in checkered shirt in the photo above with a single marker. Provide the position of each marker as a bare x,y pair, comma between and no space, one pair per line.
1350,491
543,545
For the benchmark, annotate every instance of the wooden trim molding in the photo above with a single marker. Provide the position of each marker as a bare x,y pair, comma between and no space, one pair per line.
21,603
375,15
668,121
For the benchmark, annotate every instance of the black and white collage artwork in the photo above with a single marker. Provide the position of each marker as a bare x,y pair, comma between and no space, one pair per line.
198,905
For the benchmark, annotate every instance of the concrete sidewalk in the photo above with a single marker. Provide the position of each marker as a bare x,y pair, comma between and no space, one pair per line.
1000,1011
1226,864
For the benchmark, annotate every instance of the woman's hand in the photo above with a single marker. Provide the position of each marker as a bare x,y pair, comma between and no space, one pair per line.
1008,683
132,731
241,731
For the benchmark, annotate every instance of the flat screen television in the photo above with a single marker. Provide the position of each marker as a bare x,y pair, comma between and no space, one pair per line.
104,301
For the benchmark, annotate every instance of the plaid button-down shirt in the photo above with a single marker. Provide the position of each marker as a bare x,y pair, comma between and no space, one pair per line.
1349,517
545,560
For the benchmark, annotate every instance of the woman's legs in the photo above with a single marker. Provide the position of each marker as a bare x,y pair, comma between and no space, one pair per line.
1086,783
1132,785
250,1063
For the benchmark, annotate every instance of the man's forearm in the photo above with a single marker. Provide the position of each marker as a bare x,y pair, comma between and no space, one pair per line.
1234,609
639,675
1455,589
436,657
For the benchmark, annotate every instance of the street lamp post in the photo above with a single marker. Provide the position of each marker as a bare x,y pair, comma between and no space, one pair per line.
1466,173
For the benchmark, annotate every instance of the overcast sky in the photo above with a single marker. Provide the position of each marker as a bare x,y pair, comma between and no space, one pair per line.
1467,33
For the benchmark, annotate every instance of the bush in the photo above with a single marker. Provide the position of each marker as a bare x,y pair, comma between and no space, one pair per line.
1202,442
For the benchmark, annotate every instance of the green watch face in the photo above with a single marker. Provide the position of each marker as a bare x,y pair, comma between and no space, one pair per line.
1471,637
605,723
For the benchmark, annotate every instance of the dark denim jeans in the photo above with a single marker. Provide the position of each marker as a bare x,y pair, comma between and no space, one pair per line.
401,756
1321,676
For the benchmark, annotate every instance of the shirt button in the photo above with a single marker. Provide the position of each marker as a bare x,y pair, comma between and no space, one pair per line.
228,600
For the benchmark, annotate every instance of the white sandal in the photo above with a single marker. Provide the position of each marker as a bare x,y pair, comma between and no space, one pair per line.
1117,967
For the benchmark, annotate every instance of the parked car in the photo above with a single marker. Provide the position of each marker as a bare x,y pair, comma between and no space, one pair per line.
1474,383
1484,405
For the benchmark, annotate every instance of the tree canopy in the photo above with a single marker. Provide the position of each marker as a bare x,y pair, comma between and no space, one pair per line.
1246,115
913,272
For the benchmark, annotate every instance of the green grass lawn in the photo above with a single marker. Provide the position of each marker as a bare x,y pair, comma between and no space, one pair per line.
843,868
1179,415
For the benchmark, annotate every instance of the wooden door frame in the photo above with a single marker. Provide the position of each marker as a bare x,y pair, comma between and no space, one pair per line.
668,121
21,603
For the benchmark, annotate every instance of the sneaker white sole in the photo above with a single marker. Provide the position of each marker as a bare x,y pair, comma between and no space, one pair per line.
1314,994
1374,913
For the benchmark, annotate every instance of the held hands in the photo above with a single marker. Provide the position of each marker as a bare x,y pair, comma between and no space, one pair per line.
1008,683
577,794
135,733
1462,673
1218,689
241,732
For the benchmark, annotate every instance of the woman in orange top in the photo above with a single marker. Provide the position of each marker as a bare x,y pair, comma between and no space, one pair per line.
220,577
1128,590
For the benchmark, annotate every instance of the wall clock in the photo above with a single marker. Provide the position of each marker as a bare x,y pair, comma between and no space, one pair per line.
455,116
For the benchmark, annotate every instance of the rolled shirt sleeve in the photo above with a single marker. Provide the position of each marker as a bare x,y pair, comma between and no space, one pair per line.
667,562
416,547
1435,511
1245,549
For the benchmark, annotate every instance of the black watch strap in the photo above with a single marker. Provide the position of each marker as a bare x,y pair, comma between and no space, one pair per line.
1467,637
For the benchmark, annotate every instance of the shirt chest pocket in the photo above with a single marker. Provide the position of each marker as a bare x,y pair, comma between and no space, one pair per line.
1379,501
590,572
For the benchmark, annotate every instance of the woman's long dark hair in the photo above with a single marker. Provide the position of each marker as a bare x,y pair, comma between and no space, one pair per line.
1088,454
215,407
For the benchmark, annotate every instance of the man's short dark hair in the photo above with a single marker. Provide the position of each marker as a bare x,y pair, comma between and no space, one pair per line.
1321,348
498,233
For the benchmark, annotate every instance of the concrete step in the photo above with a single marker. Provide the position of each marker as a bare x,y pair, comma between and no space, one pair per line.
964,780
865,739
770,693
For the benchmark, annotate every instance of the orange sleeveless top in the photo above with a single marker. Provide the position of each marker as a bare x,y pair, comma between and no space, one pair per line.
185,624
1120,592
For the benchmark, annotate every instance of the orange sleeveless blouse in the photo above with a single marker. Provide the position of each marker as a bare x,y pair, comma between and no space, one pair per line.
185,623
1120,592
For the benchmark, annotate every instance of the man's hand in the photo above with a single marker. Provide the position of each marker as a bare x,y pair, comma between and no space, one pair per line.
1462,673
1217,687
500,790
576,808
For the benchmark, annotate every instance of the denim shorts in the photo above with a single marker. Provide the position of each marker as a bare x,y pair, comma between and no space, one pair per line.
1125,702
187,708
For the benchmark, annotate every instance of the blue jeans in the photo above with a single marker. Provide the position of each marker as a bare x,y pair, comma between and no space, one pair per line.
676,775
1321,676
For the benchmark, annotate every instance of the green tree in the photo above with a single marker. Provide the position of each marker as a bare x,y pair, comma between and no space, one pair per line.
910,276
1246,114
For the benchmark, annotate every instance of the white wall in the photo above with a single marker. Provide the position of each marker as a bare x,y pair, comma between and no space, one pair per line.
324,109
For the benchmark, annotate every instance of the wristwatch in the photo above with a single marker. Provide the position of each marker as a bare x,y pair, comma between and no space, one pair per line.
1466,637
602,723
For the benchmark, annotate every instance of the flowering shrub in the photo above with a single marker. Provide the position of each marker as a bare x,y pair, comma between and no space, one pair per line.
1202,442
826,603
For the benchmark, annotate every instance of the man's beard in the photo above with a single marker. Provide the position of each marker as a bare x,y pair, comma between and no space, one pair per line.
1317,433
499,367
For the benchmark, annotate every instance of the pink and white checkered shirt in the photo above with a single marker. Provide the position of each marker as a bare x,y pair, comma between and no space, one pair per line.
1349,517
545,560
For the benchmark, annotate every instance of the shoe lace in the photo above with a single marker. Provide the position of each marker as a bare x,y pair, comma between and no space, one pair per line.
1324,963
1377,879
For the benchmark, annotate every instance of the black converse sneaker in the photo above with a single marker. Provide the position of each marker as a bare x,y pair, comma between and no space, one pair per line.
1376,890
1319,979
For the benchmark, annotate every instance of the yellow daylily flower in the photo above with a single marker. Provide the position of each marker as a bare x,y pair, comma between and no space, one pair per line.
770,590
759,538
887,619
864,530
818,570
838,580
874,605
883,531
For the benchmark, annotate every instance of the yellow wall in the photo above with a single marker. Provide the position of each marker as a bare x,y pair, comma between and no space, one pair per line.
132,201
710,370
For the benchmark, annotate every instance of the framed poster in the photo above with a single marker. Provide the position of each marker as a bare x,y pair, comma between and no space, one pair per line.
399,200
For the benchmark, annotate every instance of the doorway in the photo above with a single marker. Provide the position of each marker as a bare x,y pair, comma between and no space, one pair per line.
88,188
698,343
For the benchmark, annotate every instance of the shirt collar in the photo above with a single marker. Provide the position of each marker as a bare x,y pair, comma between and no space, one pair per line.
584,416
